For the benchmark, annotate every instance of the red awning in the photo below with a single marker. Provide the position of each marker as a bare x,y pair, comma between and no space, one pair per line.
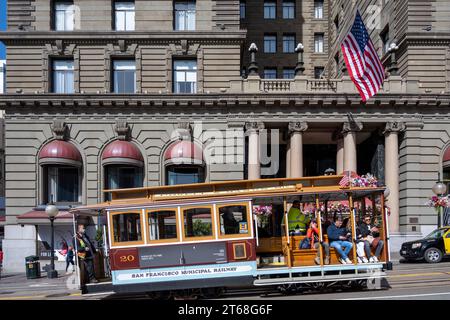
40,214
184,152
446,158
59,151
119,150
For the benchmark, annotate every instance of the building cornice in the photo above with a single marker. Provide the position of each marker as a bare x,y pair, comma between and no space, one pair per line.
320,100
141,37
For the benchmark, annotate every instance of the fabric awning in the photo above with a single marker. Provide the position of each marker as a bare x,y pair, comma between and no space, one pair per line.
40,217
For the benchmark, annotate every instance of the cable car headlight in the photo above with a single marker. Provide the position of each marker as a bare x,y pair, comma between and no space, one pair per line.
416,245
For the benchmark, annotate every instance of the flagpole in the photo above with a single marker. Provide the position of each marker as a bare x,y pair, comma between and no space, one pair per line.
346,28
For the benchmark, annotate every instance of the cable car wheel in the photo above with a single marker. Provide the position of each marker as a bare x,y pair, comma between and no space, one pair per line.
288,289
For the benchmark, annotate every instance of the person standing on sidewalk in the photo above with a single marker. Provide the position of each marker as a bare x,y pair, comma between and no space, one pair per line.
85,252
69,259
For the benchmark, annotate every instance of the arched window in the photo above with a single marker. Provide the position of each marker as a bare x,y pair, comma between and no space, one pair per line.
183,163
123,166
61,172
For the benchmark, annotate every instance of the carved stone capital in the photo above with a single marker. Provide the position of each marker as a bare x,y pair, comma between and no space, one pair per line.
60,129
122,129
394,126
254,126
297,127
337,135
183,130
353,126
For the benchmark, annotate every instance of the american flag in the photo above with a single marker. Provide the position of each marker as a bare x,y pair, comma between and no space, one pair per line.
361,58
345,181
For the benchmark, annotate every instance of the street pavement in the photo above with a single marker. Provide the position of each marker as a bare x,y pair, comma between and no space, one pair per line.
417,280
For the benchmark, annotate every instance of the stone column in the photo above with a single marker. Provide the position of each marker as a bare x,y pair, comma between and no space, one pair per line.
349,130
254,163
391,171
337,136
288,160
296,130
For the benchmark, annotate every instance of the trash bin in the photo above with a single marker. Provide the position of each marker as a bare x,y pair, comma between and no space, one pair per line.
32,267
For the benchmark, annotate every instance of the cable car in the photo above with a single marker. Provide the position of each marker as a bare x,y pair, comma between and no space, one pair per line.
206,237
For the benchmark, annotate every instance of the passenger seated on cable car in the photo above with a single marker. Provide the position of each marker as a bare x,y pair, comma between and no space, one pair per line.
360,244
297,221
368,230
231,226
313,234
338,238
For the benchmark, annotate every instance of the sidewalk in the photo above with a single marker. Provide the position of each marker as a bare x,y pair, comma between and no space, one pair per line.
16,286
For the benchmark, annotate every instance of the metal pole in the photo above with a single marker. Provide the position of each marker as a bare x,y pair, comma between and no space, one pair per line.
52,273
75,246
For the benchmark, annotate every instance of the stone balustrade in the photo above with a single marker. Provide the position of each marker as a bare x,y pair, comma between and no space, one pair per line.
305,85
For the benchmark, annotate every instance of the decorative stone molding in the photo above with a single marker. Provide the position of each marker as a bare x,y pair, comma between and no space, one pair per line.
62,51
394,126
254,126
121,50
184,131
352,126
122,129
60,129
297,127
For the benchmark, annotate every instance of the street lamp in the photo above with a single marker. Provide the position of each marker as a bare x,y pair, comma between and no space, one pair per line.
439,189
52,211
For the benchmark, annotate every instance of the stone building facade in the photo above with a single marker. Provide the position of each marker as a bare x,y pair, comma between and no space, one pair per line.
111,98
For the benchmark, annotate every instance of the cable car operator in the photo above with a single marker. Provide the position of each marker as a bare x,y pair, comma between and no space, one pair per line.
297,221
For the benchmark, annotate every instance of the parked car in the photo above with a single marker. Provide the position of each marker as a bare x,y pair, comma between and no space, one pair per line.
432,248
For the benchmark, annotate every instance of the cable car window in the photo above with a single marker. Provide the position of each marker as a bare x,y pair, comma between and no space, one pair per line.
127,227
233,220
197,222
162,224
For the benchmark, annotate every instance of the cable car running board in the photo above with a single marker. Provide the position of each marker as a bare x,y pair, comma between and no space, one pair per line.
329,278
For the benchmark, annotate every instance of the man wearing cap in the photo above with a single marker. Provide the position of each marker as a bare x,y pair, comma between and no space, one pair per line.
297,221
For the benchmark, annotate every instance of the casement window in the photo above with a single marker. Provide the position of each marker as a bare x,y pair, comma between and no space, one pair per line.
124,13
318,42
386,41
270,43
184,174
124,76
288,43
270,73
64,16
63,184
288,73
288,9
122,177
318,9
63,76
270,10
185,76
242,9
318,71
184,14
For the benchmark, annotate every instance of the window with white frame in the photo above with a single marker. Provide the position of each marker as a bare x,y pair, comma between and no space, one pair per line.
270,43
318,42
270,10
288,43
124,76
185,76
124,16
288,9
318,9
64,16
63,76
184,12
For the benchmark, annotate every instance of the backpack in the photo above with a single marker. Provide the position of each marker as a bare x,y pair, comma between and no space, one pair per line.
305,244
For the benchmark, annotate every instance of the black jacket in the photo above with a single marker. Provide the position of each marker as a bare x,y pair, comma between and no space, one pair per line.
87,241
